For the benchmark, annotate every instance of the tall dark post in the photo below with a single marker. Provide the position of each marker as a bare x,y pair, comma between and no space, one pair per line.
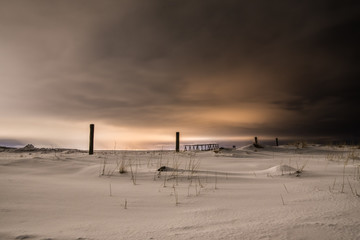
277,141
177,141
256,141
91,145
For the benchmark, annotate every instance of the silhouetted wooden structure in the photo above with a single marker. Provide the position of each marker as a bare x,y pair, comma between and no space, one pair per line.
91,140
201,147
177,147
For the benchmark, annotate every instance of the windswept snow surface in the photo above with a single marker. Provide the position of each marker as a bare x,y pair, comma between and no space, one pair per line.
246,193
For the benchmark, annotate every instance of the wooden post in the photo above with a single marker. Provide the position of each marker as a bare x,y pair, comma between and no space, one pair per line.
91,145
277,141
256,140
177,141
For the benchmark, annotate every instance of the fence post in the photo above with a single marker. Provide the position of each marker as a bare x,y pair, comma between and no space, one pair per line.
256,140
91,145
277,141
177,141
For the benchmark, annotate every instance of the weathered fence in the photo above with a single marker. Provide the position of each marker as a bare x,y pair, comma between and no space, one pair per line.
201,147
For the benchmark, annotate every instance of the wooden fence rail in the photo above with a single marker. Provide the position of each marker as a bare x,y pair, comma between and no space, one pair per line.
201,147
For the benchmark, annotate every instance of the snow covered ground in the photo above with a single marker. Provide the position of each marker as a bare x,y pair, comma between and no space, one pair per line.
281,192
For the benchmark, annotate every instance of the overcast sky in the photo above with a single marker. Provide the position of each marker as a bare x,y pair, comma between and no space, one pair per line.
142,70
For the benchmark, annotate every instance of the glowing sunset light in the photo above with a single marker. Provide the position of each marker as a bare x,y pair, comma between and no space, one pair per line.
211,70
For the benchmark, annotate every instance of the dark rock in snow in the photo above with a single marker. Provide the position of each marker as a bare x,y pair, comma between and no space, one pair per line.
163,169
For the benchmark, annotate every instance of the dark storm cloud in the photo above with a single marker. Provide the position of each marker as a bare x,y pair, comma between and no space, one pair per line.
158,63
